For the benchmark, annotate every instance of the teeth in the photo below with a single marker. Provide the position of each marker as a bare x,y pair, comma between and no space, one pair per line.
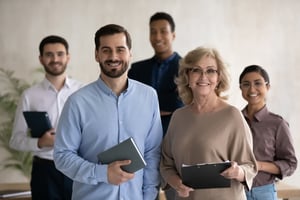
203,84
252,95
114,64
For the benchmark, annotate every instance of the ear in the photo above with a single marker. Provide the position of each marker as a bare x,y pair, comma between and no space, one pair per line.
96,55
68,57
174,35
130,54
40,59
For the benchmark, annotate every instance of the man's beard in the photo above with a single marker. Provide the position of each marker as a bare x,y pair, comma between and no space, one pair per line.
55,72
113,73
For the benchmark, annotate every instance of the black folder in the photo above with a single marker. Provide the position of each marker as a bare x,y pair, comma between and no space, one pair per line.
202,176
126,150
38,122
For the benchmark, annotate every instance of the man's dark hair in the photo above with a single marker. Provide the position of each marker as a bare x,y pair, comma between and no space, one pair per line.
255,68
51,39
163,16
111,29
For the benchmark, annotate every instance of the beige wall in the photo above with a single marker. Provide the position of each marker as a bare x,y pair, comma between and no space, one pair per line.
264,32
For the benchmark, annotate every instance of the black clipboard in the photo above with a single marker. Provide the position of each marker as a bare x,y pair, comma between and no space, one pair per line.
38,122
203,176
126,150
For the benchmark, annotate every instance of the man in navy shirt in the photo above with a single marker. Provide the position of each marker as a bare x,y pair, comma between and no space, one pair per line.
160,70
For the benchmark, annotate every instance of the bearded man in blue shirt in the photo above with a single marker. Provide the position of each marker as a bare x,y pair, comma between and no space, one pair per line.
103,114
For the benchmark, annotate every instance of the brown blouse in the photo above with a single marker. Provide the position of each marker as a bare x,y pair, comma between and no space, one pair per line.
272,142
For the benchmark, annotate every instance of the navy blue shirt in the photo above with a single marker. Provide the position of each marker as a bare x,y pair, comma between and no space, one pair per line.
160,75
159,70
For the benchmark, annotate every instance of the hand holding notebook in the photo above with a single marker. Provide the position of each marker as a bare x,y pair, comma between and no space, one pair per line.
126,150
38,122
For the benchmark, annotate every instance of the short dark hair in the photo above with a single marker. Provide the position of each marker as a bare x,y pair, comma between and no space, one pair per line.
51,39
255,68
163,16
111,29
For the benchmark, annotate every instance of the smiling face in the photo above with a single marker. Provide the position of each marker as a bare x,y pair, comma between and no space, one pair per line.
161,38
254,89
54,59
203,77
113,55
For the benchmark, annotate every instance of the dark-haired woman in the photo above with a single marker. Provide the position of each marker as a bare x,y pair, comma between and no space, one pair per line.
272,142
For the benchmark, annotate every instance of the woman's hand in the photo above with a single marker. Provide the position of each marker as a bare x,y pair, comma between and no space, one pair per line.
181,189
234,172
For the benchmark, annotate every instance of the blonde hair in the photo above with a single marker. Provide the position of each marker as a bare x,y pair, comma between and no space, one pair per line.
192,57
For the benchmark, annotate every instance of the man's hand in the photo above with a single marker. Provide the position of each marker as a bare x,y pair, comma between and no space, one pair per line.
47,140
116,175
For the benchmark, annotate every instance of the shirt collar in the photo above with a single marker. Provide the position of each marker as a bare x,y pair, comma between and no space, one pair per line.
260,115
166,61
67,82
108,91
47,84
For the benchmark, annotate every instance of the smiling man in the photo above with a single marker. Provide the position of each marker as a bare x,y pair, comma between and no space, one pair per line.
49,95
103,114
160,70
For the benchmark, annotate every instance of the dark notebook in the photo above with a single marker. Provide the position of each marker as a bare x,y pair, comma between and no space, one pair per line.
126,150
205,175
38,122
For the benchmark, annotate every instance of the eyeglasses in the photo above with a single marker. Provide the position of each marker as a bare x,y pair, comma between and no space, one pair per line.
199,71
255,84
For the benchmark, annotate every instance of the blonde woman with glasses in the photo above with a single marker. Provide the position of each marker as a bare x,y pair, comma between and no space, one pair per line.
207,130
272,142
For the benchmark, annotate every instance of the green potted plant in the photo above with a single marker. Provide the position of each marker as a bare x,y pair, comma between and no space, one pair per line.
9,98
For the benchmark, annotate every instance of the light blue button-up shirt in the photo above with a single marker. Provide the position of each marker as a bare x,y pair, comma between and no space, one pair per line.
95,119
